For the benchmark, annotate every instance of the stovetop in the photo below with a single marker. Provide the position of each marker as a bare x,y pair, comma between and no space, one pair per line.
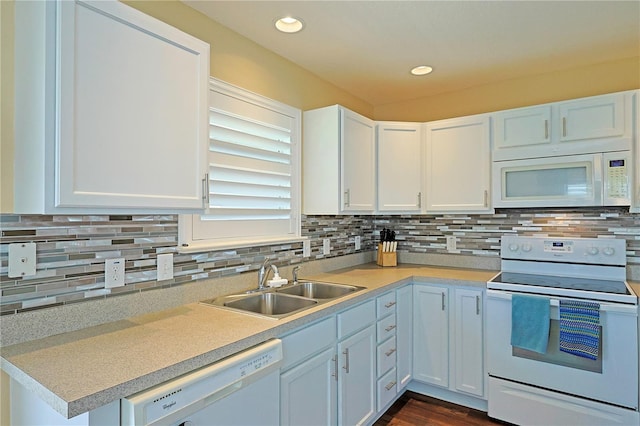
569,283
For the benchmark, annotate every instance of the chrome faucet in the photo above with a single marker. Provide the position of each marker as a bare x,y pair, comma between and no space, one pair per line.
263,273
295,274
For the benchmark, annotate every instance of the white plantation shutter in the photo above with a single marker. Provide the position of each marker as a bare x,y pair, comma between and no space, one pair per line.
254,179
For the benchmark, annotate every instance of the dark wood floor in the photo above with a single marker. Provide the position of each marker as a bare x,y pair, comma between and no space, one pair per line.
413,409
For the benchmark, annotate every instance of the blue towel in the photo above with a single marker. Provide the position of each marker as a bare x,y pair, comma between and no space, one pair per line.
530,322
579,328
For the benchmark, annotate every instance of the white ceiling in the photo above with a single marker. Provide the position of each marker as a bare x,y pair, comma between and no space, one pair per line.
368,47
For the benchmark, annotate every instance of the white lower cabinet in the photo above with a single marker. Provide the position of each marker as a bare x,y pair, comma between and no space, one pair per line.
404,335
329,370
448,338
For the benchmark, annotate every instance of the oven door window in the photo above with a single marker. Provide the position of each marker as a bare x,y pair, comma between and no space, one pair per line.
555,356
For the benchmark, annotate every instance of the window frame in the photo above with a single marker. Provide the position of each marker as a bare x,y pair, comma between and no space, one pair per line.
188,238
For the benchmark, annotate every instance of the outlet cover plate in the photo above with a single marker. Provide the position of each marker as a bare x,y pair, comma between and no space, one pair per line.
165,266
306,248
22,260
114,272
326,246
358,242
451,243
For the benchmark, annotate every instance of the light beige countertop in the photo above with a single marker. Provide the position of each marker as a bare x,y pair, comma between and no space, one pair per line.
79,371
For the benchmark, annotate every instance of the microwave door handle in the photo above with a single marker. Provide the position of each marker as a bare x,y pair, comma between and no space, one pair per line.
598,187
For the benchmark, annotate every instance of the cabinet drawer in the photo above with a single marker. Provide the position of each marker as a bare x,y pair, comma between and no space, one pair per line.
386,304
387,355
386,327
387,389
356,318
307,341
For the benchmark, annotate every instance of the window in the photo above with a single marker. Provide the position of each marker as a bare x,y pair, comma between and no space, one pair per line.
254,173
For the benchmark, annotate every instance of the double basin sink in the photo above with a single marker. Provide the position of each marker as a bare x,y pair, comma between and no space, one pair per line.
287,300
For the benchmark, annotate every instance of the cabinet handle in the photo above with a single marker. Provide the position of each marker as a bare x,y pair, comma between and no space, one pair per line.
390,352
390,304
205,190
419,199
564,126
391,327
346,360
546,129
335,370
347,198
390,385
443,300
486,198
477,305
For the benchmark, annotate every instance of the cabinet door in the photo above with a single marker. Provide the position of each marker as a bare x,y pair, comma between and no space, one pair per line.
431,335
521,127
468,332
458,163
596,117
132,111
358,162
404,334
308,392
356,380
399,167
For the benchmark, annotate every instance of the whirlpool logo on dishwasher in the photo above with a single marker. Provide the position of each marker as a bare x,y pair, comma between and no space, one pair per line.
168,406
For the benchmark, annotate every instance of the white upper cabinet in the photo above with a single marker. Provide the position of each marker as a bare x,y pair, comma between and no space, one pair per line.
586,125
111,110
338,165
458,165
399,167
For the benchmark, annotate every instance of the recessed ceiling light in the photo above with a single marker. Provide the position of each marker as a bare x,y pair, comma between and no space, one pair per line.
289,24
421,70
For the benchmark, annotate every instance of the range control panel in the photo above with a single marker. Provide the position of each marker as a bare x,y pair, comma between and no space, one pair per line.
603,251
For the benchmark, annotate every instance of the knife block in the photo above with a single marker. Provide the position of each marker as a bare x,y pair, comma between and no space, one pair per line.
387,258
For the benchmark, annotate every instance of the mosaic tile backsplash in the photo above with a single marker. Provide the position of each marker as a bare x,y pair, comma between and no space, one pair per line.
71,250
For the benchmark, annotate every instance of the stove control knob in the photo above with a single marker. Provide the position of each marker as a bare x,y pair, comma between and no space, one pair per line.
608,251
513,247
592,250
526,247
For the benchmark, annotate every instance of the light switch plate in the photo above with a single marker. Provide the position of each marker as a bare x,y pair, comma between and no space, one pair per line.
358,242
326,246
22,260
114,272
165,266
306,248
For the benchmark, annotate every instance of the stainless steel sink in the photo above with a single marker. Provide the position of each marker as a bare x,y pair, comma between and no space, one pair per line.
281,302
269,304
316,290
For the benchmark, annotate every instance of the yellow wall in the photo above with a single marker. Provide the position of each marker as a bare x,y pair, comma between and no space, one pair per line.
531,90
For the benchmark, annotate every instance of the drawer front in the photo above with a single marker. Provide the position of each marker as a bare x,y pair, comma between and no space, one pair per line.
387,355
386,328
387,389
356,318
386,304
301,344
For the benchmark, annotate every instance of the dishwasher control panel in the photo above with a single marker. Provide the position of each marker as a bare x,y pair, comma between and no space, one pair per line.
177,398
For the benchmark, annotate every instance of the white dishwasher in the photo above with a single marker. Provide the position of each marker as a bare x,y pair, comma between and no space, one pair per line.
243,389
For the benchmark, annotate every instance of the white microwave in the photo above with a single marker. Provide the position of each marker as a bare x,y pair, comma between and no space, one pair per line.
602,179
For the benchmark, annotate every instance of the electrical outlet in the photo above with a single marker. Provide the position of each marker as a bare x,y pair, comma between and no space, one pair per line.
326,246
165,267
114,272
306,248
451,243
358,242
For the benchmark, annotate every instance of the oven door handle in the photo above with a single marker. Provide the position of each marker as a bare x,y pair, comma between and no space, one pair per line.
554,302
